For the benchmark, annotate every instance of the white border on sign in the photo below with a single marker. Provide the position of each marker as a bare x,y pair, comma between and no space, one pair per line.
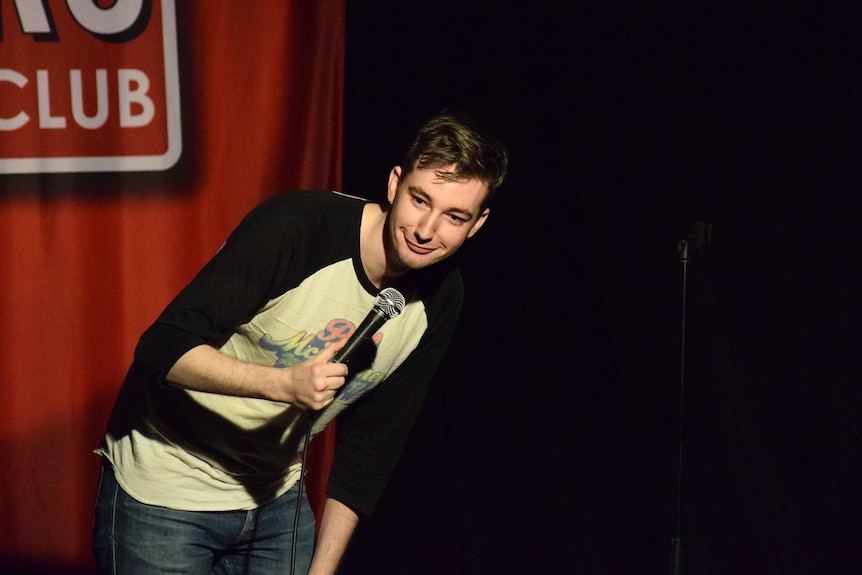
125,163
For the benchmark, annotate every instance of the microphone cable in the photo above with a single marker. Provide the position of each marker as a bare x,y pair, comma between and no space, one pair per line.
301,481
387,305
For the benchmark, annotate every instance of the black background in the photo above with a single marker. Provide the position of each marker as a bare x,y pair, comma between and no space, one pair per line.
550,443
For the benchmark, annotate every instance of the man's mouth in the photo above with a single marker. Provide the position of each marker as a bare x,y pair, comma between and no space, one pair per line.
422,250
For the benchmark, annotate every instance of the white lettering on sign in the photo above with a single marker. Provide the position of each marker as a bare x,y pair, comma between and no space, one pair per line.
20,118
98,119
46,120
135,107
118,18
133,86
115,19
33,17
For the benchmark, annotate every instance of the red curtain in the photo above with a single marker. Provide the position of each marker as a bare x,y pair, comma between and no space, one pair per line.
89,260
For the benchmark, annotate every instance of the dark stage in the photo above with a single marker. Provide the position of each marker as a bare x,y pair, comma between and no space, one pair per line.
550,443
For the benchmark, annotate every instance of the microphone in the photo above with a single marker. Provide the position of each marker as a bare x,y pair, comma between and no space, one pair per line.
388,304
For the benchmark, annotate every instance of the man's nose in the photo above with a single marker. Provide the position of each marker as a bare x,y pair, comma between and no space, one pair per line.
425,228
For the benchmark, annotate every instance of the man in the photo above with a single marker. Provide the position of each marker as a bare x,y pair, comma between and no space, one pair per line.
202,458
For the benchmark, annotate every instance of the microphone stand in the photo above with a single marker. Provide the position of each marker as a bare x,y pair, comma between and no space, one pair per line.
676,541
695,242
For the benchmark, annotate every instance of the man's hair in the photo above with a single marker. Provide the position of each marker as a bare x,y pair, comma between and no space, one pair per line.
452,138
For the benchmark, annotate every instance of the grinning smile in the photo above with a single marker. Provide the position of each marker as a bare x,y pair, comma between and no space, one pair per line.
415,248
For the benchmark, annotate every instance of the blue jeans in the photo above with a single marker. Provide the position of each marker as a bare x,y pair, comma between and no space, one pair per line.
132,538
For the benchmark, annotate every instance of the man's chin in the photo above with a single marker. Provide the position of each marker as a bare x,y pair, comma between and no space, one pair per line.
407,260
413,261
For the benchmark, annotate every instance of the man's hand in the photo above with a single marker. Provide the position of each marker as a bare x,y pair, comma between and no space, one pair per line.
313,383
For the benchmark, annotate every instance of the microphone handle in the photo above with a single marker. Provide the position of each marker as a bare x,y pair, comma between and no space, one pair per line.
372,322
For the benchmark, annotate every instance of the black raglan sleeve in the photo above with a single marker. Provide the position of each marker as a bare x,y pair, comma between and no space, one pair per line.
370,436
252,266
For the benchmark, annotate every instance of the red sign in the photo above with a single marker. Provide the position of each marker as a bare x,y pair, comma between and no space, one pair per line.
88,86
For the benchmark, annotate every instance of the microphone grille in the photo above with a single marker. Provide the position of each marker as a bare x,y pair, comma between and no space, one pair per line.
389,302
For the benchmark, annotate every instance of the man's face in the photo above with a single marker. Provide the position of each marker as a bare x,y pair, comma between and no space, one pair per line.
430,217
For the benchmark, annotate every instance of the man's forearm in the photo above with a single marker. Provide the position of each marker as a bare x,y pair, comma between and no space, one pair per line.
336,528
204,368
311,384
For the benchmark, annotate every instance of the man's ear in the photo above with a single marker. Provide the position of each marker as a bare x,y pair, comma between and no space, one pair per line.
480,221
394,178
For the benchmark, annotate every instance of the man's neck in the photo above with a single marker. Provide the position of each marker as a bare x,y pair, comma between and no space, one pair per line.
371,246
